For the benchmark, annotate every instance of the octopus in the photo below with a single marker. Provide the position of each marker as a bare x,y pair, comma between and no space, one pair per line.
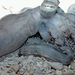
52,24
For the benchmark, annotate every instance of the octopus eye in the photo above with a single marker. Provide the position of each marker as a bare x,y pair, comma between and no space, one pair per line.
51,6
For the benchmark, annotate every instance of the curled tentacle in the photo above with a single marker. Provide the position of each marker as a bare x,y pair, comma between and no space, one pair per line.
46,51
43,32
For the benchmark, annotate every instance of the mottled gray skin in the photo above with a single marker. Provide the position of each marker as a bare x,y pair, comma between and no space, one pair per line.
16,28
61,26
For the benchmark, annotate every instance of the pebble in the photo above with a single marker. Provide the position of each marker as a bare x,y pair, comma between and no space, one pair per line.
39,64
56,65
38,73
30,59
15,67
73,65
58,72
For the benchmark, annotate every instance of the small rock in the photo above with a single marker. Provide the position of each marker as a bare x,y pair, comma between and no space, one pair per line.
33,67
73,65
15,67
4,73
42,68
21,71
56,65
28,67
38,73
30,59
39,64
49,71
26,73
36,59
46,65
13,73
58,72
31,72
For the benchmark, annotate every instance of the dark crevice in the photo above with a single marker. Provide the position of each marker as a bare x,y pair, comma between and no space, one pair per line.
36,35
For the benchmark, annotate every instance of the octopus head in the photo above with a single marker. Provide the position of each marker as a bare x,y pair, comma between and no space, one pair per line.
48,9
